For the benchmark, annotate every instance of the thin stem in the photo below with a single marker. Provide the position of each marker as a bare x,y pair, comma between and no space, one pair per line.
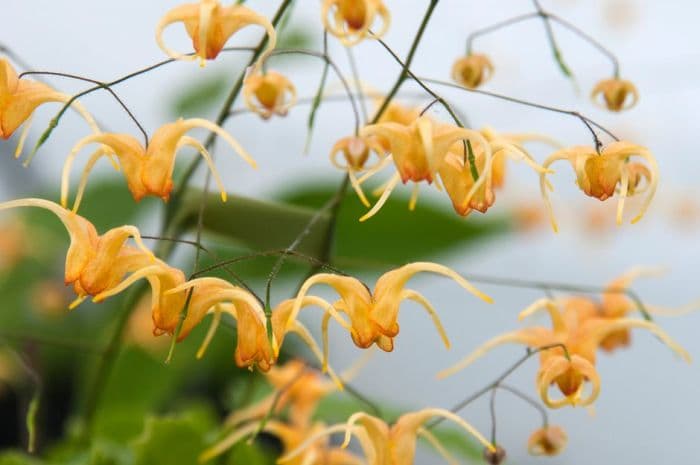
589,123
529,400
528,354
495,27
492,412
611,56
331,205
556,51
101,85
358,82
409,59
336,70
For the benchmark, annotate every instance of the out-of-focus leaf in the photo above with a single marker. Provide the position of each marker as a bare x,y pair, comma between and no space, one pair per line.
458,442
174,439
295,37
18,458
251,454
199,97
396,235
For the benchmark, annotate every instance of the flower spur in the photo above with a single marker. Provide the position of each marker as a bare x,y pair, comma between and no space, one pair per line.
94,263
210,25
351,20
567,350
148,170
384,444
373,315
417,150
19,98
599,174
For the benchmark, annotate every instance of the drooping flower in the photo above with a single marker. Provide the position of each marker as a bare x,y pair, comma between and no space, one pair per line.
356,151
292,437
601,175
417,150
210,25
384,444
570,355
374,315
548,440
269,93
148,170
351,20
254,345
615,93
20,97
472,70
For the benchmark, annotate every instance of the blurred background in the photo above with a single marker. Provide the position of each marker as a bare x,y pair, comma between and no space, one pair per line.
647,410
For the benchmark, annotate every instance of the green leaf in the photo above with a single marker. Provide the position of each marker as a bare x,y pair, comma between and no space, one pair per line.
200,97
295,37
173,440
18,458
396,235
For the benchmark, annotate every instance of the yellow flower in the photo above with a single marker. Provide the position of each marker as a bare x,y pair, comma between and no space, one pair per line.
569,369
355,151
417,150
456,175
615,94
384,444
374,316
599,174
148,171
351,20
549,440
275,94
20,97
254,347
292,437
472,70
210,24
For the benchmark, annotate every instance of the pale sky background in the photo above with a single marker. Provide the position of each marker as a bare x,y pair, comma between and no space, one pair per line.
648,409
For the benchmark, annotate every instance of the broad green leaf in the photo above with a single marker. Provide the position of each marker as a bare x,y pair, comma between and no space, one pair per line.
200,95
18,458
173,440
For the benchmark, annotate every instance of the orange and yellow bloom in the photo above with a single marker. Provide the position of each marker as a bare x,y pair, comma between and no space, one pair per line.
19,98
351,20
210,25
269,93
617,94
472,70
148,170
384,444
548,440
374,315
601,175
570,356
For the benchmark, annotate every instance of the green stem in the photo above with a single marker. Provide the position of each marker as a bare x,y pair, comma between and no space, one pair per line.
409,59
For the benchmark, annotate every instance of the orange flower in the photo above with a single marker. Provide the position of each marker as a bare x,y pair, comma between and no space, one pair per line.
148,171
384,444
599,174
20,97
374,316
569,369
417,150
472,70
351,20
456,174
292,437
355,151
210,24
275,94
550,441
254,346
615,94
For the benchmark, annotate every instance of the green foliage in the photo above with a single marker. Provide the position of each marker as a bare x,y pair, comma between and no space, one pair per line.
173,439
18,458
194,100
396,235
